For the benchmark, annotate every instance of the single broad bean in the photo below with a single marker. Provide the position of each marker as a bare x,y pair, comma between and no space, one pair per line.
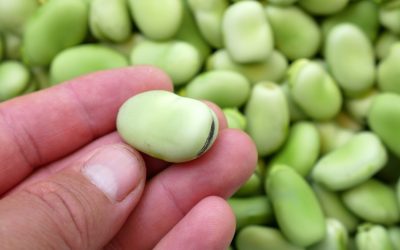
327,7
333,136
225,88
358,107
267,117
209,15
110,20
314,90
296,113
301,148
180,60
253,186
14,79
246,32
43,39
272,68
254,210
336,237
167,126
389,16
235,118
388,73
384,44
333,207
263,238
295,206
347,43
296,33
372,237
384,120
394,236
84,59
373,201
157,20
351,164
15,13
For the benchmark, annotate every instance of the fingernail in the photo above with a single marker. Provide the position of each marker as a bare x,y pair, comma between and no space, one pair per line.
115,171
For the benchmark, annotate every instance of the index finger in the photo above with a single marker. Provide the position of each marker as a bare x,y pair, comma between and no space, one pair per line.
46,125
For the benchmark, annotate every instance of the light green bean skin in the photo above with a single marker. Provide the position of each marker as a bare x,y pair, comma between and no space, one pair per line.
157,20
43,39
314,90
333,207
336,237
384,44
301,148
317,7
373,201
384,120
389,16
167,126
110,20
272,69
333,136
253,186
372,237
14,79
235,118
180,60
394,236
351,164
358,107
263,238
84,59
388,73
246,32
225,88
267,117
363,14
209,14
295,206
346,43
296,113
254,210
15,13
190,33
296,33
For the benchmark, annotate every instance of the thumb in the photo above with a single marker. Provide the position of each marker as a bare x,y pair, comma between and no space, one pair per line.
81,207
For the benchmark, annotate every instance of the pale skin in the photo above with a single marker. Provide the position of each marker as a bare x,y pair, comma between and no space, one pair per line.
46,139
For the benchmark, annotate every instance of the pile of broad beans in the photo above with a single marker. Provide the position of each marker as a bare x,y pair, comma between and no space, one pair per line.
316,84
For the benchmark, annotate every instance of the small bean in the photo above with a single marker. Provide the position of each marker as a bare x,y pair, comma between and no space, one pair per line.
253,186
15,13
327,7
384,44
394,236
333,136
372,237
14,79
388,73
235,118
336,237
389,16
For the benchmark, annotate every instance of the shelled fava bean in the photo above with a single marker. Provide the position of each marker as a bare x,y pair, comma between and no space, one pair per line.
316,84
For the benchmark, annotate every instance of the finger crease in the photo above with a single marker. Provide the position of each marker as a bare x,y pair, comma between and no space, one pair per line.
172,198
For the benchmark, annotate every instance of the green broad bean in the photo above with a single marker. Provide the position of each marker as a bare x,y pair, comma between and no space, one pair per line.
301,148
157,20
333,207
246,32
394,236
388,73
317,7
12,46
372,237
209,15
263,238
296,33
358,107
267,117
384,120
351,164
373,201
346,43
180,60
254,210
190,33
272,68
43,39
363,14
295,206
227,89
336,237
110,20
15,13
167,126
295,112
84,59
314,90
389,16
235,118
384,44
253,186
14,79
333,136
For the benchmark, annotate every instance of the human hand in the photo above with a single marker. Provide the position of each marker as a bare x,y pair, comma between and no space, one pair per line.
68,182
